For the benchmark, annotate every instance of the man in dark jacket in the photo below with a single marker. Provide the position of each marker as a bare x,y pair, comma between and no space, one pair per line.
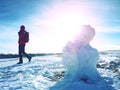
22,42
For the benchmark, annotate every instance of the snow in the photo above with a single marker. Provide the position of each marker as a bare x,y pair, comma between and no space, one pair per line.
40,73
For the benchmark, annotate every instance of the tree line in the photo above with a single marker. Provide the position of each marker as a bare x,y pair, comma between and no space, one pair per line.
4,56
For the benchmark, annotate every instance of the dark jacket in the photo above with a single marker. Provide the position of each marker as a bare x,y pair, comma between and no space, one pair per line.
21,34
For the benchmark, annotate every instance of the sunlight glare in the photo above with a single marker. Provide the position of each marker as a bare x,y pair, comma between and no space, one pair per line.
66,20
62,21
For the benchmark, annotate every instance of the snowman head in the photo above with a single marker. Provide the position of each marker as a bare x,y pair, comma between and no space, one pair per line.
85,35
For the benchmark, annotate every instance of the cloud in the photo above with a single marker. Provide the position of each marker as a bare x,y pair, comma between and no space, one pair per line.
107,28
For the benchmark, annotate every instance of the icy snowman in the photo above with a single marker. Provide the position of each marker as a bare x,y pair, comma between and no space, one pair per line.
80,58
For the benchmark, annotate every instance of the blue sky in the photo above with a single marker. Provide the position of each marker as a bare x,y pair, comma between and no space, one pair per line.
51,23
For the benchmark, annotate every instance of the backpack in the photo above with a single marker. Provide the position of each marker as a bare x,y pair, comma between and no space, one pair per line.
26,36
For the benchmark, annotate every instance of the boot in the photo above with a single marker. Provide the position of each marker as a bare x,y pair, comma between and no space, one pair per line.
20,60
29,59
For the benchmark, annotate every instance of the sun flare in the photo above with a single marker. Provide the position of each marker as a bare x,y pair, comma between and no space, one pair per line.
62,21
66,19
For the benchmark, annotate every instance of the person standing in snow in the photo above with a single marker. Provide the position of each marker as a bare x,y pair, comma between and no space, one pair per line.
23,39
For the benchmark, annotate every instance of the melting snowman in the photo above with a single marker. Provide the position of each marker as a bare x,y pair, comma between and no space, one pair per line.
80,58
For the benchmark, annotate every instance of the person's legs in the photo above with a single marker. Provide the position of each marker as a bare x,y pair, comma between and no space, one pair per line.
29,57
20,54
20,58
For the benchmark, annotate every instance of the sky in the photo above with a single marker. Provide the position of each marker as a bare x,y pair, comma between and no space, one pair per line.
51,23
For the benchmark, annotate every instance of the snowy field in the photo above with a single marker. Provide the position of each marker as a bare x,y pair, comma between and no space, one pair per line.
44,72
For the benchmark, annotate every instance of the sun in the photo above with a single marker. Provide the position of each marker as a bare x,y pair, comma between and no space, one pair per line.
61,22
65,22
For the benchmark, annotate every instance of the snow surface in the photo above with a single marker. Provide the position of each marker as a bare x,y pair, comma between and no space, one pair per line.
40,73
